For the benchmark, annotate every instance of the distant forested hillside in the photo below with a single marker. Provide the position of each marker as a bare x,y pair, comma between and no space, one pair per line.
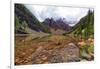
85,27
25,19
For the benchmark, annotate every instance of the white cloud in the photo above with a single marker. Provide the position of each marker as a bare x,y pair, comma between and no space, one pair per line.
69,13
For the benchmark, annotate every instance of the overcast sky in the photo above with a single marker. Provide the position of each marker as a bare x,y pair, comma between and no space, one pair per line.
69,13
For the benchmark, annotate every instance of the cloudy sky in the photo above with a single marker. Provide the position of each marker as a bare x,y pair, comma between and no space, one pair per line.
69,13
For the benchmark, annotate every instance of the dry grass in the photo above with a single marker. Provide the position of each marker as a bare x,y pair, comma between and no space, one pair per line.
27,51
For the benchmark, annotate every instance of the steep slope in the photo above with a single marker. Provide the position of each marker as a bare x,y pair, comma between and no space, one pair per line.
85,27
24,18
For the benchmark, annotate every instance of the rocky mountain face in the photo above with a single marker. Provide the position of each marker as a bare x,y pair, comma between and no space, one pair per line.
25,19
57,24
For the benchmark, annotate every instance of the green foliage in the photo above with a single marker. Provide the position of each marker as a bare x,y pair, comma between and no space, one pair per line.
20,25
17,24
24,25
86,50
91,49
86,26
45,28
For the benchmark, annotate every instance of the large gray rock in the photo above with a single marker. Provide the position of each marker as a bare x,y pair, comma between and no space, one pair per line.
69,53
